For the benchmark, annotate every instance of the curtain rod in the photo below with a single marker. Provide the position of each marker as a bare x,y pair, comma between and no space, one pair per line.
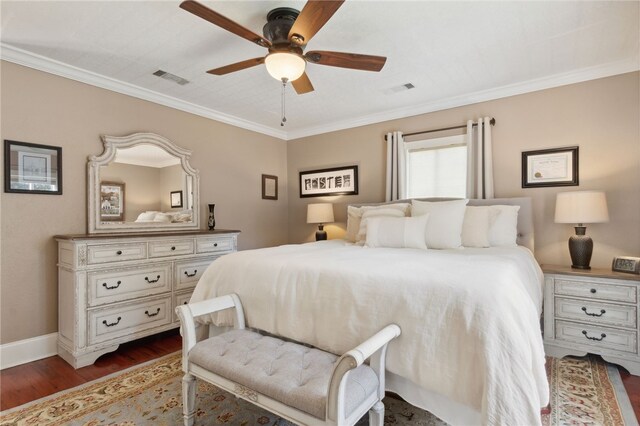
464,126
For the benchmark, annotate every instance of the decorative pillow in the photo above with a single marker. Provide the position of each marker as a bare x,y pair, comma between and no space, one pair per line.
476,225
354,216
397,232
162,217
444,227
146,217
504,229
362,233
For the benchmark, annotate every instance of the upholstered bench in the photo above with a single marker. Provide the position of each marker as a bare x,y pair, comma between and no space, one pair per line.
301,384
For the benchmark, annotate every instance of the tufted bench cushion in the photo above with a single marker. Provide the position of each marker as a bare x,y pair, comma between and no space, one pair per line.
293,374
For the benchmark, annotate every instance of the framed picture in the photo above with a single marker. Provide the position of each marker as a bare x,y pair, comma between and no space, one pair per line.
269,187
31,168
176,199
335,181
550,167
112,201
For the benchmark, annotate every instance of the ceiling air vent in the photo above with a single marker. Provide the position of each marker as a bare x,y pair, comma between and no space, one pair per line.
172,77
398,89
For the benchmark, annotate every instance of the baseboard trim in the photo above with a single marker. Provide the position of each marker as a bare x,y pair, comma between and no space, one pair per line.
27,350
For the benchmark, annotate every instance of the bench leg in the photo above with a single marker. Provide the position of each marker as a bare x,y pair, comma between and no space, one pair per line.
188,399
376,414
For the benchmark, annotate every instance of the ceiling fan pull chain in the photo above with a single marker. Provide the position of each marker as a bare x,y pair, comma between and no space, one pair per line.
284,85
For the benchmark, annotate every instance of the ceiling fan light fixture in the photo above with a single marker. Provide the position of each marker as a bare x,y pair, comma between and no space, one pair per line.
285,65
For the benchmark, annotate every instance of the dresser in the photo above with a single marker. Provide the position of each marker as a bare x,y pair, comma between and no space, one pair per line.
120,287
594,311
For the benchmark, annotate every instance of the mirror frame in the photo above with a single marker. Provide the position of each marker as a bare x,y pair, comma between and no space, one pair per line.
111,144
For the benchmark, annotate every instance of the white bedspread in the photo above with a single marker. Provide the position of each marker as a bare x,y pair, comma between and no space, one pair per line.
469,317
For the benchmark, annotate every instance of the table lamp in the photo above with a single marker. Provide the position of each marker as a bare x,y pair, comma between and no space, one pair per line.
320,213
581,207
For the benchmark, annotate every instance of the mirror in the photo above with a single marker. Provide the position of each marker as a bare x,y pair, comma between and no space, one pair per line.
142,182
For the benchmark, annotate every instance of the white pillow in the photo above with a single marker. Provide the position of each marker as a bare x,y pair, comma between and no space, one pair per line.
146,217
371,213
504,229
162,217
397,232
476,225
354,216
444,227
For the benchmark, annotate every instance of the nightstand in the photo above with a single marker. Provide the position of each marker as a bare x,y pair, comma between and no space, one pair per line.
593,311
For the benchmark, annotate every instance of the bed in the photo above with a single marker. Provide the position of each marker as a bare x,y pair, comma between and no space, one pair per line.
471,349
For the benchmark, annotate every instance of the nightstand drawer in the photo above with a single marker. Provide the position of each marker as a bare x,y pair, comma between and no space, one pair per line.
596,312
596,290
597,336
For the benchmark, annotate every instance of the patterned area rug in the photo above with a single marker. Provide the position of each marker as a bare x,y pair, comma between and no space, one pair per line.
582,392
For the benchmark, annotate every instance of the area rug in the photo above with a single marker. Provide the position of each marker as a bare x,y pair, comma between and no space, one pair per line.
583,391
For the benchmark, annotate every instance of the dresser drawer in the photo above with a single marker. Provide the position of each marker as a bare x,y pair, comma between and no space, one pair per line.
597,336
130,283
596,290
180,299
188,273
170,248
128,319
214,245
108,253
596,312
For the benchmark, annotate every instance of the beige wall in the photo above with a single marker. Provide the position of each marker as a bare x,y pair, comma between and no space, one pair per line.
601,116
141,192
172,178
42,108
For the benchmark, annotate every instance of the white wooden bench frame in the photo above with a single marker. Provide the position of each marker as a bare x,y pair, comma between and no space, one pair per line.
375,348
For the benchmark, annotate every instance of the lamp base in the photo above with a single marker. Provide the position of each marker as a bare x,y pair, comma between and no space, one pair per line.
321,234
580,249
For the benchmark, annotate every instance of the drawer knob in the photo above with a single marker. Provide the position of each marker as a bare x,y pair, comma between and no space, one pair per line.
119,252
113,323
153,314
195,271
185,303
593,290
598,339
152,281
105,285
173,248
593,314
215,244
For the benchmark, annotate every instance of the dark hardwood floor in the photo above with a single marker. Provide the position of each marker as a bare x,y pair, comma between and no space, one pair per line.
28,382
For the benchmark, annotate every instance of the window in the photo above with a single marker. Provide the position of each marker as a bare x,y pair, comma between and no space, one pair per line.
437,167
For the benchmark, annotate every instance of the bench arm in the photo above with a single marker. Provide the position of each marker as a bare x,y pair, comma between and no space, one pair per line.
187,313
375,348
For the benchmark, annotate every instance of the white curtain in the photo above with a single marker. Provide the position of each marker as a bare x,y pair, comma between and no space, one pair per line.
396,179
479,159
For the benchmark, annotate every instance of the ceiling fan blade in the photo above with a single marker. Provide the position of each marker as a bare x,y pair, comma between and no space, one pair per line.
237,66
302,84
313,16
346,60
223,22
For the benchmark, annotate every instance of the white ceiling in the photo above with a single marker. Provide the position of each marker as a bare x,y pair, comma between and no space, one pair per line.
454,53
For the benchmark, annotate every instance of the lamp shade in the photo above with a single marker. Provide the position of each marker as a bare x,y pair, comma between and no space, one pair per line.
581,207
320,213
283,65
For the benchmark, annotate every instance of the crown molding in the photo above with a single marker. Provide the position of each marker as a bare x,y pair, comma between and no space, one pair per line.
42,63
557,80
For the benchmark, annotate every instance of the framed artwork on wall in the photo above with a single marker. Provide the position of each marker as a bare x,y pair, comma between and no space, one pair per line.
31,168
176,199
550,167
112,201
269,187
334,181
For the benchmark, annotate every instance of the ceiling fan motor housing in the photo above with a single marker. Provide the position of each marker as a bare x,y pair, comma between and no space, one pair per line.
279,23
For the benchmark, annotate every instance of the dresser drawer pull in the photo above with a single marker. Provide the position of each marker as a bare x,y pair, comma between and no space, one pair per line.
215,244
593,290
186,302
173,248
152,315
152,281
195,271
602,336
105,285
113,323
602,312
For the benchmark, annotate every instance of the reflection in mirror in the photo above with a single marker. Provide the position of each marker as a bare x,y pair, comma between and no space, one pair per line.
151,174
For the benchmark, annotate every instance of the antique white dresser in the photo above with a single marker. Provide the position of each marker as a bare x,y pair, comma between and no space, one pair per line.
120,287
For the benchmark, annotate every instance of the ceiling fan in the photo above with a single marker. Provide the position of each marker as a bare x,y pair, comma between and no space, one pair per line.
286,34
